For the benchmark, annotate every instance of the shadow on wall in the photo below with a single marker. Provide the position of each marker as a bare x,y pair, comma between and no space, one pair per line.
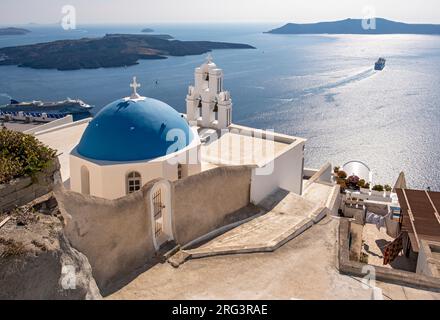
117,235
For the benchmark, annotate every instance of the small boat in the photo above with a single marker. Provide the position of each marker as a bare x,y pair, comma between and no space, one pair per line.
380,64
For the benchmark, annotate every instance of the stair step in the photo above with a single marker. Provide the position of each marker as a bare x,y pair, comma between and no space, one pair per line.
167,250
179,258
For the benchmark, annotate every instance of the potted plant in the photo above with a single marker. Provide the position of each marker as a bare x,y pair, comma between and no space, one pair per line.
377,190
367,186
342,174
387,190
364,188
342,183
336,170
353,181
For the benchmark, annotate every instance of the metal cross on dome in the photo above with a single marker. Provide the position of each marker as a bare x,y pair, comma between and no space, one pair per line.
135,85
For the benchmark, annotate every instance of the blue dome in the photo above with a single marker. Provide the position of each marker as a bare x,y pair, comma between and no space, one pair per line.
131,130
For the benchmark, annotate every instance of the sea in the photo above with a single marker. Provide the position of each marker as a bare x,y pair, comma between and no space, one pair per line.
320,87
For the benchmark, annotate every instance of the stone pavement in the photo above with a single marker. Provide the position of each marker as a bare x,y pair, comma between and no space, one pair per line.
304,268
322,193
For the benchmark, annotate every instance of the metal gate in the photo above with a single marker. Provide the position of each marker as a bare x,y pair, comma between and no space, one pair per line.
158,206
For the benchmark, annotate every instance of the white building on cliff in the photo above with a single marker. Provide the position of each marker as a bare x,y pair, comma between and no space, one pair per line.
136,139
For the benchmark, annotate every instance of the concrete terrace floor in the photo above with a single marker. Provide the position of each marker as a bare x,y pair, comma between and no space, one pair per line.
240,150
304,268
20,126
318,193
374,243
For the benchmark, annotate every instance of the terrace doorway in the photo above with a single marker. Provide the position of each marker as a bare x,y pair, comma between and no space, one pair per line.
160,204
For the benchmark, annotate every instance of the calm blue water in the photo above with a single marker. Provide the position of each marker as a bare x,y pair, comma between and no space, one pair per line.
322,88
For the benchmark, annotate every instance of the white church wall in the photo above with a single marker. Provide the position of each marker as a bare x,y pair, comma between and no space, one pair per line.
76,163
109,181
169,171
291,166
114,177
191,169
287,174
75,173
262,185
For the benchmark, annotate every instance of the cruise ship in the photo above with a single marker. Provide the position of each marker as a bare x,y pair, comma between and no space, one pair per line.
77,108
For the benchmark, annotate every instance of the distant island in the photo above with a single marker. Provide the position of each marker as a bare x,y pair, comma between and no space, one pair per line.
147,30
112,50
354,26
13,31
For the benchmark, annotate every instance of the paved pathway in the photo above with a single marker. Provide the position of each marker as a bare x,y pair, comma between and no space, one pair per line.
321,193
304,268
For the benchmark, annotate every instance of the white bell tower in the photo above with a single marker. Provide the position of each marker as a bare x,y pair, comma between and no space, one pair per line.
207,104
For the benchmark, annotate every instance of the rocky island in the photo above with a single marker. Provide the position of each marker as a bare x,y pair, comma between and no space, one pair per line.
355,26
112,50
13,31
147,30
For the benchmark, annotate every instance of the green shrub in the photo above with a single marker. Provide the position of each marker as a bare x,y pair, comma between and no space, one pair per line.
378,187
22,155
361,183
388,188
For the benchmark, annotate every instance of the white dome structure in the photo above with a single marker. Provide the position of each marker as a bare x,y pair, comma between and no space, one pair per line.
358,168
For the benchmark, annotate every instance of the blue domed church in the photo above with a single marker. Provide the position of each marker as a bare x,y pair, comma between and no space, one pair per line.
131,141
137,139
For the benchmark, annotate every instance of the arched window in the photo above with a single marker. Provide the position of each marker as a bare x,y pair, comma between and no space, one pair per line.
134,182
85,180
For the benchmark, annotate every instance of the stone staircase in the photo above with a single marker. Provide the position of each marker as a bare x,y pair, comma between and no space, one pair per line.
286,216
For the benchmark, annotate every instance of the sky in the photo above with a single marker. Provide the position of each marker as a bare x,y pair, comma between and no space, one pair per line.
17,12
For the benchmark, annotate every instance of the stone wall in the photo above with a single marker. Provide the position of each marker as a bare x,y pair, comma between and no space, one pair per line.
357,269
324,174
203,202
115,235
23,190
428,262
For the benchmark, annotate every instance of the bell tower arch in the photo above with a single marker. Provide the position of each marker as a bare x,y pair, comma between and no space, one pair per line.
207,103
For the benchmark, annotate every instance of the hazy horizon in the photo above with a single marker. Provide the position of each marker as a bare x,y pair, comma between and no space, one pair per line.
220,11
